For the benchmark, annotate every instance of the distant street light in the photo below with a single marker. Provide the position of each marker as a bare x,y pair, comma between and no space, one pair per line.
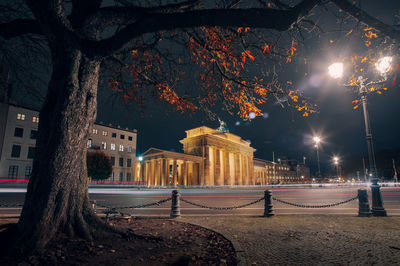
336,162
317,140
383,65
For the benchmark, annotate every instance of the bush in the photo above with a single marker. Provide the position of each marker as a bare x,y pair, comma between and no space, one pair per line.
99,165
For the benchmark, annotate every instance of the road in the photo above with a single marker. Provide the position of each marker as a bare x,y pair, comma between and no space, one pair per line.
127,197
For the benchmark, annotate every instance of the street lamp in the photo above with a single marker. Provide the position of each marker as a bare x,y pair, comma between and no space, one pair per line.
383,65
317,140
336,162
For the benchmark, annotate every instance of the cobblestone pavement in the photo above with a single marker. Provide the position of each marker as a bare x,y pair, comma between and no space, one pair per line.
309,240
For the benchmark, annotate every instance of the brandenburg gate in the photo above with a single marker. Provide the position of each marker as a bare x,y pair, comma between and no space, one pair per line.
210,158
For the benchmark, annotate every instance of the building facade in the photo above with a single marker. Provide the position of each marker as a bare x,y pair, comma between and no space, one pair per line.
18,130
120,145
210,158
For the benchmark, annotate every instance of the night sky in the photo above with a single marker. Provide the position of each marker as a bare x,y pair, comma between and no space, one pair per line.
284,131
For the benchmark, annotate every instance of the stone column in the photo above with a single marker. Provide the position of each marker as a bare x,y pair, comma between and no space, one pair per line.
226,167
174,173
166,172
239,165
183,179
211,161
196,174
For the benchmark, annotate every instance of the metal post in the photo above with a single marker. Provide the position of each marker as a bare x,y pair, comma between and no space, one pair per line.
268,211
94,206
175,206
363,203
368,134
377,203
319,166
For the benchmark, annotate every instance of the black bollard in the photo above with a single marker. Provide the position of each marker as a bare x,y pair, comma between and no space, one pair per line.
268,211
377,203
175,206
363,203
94,206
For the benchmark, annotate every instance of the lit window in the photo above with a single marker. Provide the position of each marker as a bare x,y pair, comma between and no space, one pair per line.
35,119
94,131
104,144
105,133
20,117
89,143
121,147
113,146
129,148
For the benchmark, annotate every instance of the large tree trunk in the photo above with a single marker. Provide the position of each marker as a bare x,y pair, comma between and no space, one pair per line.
57,199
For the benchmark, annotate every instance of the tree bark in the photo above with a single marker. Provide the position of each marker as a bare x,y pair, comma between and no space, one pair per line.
57,199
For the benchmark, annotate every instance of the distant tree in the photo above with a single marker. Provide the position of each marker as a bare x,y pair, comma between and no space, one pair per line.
99,165
146,49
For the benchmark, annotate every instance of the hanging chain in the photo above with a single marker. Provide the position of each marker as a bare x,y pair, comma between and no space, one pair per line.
222,208
314,206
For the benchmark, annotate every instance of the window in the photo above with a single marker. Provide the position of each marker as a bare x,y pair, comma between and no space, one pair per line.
31,152
113,161
121,176
18,132
28,171
94,131
122,136
104,145
130,138
16,151
33,134
129,148
35,119
13,171
89,143
20,117
128,177
121,147
121,162
114,135
129,162
113,146
104,133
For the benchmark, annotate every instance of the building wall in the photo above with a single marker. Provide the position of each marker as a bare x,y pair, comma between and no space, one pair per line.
17,165
119,144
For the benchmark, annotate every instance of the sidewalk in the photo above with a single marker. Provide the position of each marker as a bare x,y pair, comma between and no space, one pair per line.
305,239
309,239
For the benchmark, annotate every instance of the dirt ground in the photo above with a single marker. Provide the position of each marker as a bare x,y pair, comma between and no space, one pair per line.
158,242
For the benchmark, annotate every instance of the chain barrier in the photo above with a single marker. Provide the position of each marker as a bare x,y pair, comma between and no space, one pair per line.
222,208
314,206
11,205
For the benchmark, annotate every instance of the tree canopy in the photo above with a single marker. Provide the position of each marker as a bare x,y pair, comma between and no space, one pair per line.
99,165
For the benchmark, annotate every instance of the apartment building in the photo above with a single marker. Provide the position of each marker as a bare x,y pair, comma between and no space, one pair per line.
18,131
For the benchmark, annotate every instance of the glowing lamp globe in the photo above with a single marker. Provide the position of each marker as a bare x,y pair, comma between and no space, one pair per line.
383,65
336,70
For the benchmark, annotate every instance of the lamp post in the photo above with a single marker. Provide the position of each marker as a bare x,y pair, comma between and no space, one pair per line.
383,65
336,162
317,140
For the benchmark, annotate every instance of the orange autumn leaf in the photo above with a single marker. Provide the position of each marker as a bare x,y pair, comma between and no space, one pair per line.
355,107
